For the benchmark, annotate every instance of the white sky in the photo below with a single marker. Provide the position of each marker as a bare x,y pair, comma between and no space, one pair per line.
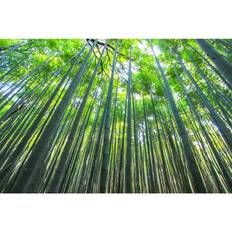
147,49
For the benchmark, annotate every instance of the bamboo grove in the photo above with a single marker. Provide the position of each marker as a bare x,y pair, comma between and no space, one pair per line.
115,116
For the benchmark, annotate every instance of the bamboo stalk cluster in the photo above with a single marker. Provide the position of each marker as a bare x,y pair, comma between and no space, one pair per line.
72,129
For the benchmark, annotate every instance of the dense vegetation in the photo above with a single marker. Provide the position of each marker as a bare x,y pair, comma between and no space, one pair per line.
115,116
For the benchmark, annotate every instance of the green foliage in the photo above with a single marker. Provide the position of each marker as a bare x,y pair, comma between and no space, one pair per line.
33,69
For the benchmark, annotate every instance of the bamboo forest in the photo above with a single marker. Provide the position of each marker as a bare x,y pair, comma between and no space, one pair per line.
115,116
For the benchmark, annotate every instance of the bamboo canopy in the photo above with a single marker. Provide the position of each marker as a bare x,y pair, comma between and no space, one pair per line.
115,116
